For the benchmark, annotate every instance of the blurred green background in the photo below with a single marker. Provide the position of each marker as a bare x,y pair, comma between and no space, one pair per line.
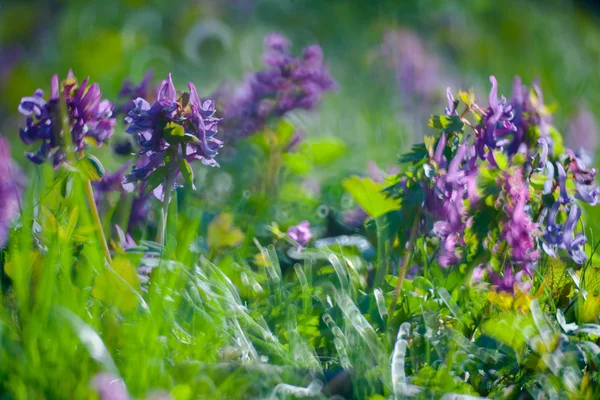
456,43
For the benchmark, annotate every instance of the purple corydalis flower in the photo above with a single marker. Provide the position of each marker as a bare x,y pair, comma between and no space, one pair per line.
150,124
300,233
519,230
583,134
418,70
130,92
11,189
563,236
109,387
90,117
287,83
509,281
496,127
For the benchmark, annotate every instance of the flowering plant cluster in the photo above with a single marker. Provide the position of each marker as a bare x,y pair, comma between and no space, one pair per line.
285,84
497,189
88,116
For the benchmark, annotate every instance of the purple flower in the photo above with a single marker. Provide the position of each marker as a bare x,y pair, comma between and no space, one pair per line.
509,281
519,230
444,200
286,83
563,236
496,128
11,190
130,92
89,118
582,134
300,233
170,128
109,387
529,112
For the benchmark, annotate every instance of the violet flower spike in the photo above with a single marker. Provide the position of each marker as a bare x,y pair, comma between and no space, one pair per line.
89,116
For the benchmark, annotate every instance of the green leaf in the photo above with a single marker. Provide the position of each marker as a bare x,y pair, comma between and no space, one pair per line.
449,123
369,196
174,133
510,328
323,150
119,285
501,159
297,163
187,172
156,178
467,97
91,168
222,233
417,153
284,132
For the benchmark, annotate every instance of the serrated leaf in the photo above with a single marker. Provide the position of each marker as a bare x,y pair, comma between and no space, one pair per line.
449,123
369,195
417,153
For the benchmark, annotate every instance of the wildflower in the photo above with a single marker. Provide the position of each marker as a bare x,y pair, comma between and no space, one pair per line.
172,128
89,118
130,92
582,135
300,234
519,230
510,282
286,83
109,387
496,127
11,189
562,236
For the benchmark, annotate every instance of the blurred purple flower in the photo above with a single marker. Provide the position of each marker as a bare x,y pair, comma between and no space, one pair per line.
300,234
582,134
286,83
519,231
153,124
11,189
89,118
509,281
419,72
130,92
109,387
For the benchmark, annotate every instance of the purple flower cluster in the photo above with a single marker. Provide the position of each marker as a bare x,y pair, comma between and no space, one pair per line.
509,125
519,231
11,189
491,168
172,127
444,199
89,117
287,83
300,234
130,92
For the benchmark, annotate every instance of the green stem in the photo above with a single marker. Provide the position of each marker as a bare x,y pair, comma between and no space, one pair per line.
162,226
382,264
407,257
89,193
